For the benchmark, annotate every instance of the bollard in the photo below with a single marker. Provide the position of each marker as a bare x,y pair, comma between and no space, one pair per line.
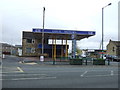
41,58
3,56
86,61
53,61
108,62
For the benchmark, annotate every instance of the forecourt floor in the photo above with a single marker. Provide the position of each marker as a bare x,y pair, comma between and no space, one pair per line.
21,75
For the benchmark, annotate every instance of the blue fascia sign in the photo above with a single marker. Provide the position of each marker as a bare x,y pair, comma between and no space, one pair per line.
65,31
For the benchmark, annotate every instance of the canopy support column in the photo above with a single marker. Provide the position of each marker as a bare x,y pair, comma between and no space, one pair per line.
54,52
62,49
66,51
52,48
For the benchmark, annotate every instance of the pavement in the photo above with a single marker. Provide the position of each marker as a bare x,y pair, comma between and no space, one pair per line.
42,75
36,60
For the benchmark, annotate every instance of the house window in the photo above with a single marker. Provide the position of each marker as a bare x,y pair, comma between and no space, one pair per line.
32,50
28,50
33,41
113,49
29,40
119,48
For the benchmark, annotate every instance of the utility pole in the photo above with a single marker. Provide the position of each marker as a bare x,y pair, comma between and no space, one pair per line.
43,30
103,26
42,57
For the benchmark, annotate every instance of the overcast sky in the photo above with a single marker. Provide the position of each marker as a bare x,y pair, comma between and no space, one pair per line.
84,15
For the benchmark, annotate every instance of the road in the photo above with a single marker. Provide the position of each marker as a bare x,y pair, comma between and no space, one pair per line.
38,75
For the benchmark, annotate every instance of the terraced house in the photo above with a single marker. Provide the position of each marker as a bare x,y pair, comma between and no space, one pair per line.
113,48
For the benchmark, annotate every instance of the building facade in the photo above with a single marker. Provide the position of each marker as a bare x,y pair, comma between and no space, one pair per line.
18,50
31,45
96,53
113,48
32,42
8,49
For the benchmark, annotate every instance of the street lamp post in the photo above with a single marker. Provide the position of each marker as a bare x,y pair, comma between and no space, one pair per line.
42,57
103,26
43,30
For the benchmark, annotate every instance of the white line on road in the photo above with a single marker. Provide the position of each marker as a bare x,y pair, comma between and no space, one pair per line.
83,73
25,75
94,76
20,69
31,63
30,78
10,72
112,73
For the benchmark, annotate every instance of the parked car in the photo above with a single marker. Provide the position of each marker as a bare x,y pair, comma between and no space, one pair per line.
116,58
113,58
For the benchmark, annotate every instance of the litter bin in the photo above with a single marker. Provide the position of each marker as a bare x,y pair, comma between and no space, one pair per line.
3,55
41,58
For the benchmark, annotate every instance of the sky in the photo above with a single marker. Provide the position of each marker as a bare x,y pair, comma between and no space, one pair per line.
83,15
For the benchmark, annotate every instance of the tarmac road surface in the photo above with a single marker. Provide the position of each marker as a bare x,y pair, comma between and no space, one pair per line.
40,75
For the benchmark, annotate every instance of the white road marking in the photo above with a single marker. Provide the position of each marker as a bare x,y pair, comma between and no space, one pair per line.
42,71
112,73
101,76
30,78
20,62
25,75
10,70
83,73
5,72
20,69
33,63
30,63
100,70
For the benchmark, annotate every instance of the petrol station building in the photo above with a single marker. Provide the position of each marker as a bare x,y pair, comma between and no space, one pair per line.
32,41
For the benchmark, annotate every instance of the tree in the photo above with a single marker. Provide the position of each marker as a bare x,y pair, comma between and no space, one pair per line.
78,51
